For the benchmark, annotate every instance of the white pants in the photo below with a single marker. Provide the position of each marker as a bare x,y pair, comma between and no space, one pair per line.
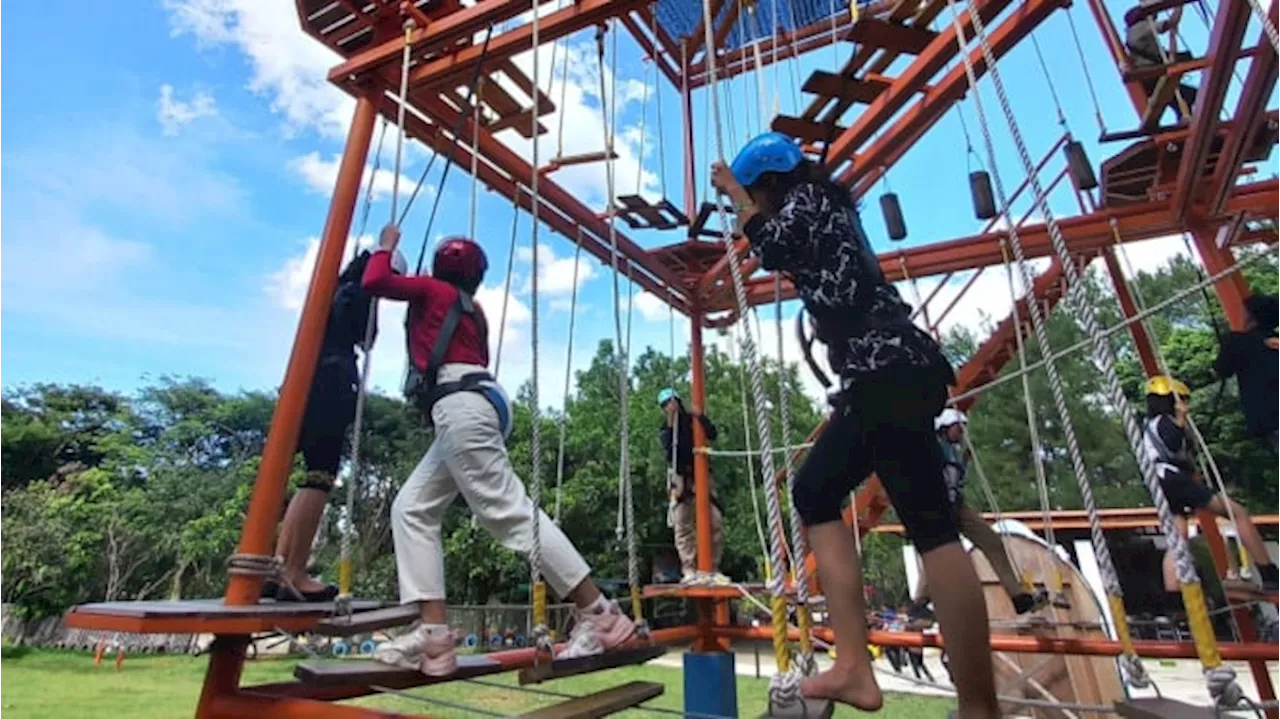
469,457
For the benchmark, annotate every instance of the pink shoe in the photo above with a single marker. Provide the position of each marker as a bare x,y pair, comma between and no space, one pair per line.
429,652
598,631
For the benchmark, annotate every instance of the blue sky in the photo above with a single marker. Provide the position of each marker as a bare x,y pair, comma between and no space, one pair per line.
167,171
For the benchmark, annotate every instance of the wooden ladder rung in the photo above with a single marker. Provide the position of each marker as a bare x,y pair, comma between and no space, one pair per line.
601,703
890,35
1162,708
805,130
580,159
361,622
558,668
802,709
829,84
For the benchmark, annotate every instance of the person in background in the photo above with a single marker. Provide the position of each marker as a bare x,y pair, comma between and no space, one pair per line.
331,409
1143,28
950,427
1250,356
449,382
893,382
1168,447
677,446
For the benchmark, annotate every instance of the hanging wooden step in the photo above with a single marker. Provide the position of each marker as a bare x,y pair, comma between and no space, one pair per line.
1162,708
583,158
891,36
640,215
600,704
364,673
802,709
698,228
806,130
559,668
849,89
1242,590
346,625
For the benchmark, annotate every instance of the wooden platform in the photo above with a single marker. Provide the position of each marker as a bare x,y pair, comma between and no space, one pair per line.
601,703
204,616
370,673
346,625
1162,708
560,668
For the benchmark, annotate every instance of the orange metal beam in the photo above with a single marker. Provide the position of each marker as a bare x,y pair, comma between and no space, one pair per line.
1137,330
1024,644
458,65
913,79
1228,30
1249,116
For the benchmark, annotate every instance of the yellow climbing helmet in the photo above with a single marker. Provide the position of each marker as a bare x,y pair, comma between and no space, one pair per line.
1164,385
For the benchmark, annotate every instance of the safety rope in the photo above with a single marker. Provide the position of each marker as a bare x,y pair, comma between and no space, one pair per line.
568,375
750,454
1220,678
540,632
1135,674
506,288
1268,26
1088,78
624,384
784,687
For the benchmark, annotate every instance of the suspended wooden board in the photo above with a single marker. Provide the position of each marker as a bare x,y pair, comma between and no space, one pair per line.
1162,708
803,709
346,625
370,673
583,158
559,668
600,704
641,215
1052,677
204,616
892,36
846,88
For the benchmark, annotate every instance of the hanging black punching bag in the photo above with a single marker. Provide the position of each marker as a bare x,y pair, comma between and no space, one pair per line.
893,221
984,201
1079,166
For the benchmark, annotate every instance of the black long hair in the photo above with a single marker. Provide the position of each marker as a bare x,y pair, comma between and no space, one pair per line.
776,185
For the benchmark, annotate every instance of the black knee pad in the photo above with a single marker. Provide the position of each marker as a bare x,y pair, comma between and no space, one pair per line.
322,481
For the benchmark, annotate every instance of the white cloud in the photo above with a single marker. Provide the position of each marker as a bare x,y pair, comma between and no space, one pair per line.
174,114
321,175
651,308
287,65
555,274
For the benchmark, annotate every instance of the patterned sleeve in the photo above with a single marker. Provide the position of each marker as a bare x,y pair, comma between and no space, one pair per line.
778,239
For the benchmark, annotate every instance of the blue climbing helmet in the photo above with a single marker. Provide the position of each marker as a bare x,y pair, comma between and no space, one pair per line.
666,395
770,152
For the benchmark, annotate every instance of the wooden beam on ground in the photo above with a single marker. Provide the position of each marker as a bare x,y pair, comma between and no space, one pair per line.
600,704
347,625
559,668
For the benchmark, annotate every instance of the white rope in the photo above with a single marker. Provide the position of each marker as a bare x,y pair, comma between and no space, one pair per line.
506,289
749,454
1267,26
785,687
1110,580
568,376
541,634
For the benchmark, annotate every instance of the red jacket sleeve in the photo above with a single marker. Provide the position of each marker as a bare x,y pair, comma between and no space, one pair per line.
380,281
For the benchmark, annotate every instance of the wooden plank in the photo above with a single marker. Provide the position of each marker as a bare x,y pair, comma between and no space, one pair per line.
369,673
345,625
585,665
805,130
803,709
846,88
891,35
1162,708
600,704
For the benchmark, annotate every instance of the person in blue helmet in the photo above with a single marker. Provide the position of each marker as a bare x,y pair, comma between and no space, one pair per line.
893,381
676,434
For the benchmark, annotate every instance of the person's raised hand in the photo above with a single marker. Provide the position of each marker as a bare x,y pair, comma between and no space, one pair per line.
723,180
390,237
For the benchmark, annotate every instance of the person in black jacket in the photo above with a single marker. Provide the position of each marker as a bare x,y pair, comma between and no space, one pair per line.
1251,357
677,446
331,408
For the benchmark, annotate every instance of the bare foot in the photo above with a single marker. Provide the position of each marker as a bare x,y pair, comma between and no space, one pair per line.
844,685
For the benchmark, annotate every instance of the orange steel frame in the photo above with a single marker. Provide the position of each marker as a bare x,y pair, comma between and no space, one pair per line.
445,55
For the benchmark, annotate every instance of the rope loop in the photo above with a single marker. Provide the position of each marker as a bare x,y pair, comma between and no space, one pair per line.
1224,689
784,689
268,566
542,640
1133,672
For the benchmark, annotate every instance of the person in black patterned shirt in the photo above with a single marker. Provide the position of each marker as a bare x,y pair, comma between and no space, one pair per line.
893,382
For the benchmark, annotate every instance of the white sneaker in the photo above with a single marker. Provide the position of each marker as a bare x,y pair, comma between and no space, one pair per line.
405,651
689,578
595,632
716,579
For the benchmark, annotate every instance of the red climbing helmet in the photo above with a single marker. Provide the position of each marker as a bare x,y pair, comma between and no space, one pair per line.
460,259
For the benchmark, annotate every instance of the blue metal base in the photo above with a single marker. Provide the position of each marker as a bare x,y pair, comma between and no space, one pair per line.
710,684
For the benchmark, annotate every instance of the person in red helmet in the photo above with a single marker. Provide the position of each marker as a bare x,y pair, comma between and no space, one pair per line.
449,382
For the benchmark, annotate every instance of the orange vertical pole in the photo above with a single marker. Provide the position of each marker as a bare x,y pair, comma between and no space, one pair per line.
1232,289
1130,308
257,536
709,612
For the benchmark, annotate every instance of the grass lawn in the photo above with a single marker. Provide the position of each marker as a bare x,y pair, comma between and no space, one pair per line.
66,685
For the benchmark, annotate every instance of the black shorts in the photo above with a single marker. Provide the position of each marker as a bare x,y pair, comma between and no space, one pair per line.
1184,493
886,427
331,408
